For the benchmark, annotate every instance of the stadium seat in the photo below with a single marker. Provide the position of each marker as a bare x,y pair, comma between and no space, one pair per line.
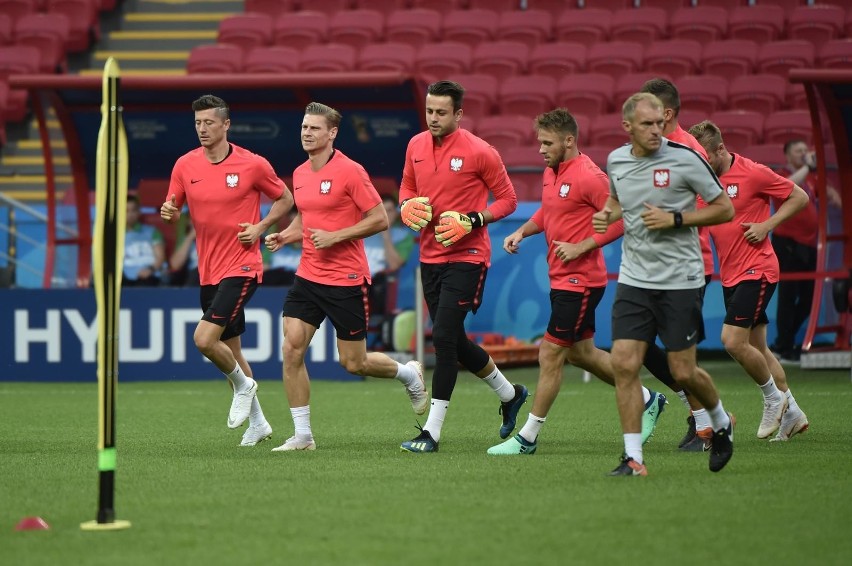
18,60
6,36
525,188
525,167
15,9
614,58
795,97
480,94
416,27
437,60
554,7
630,83
783,126
675,57
587,26
848,26
836,54
699,23
246,31
610,5
529,26
471,27
527,96
499,6
48,33
729,58
760,23
703,93
586,93
327,58
501,59
740,128
273,8
357,27
778,57
300,29
642,25
215,58
760,93
506,131
607,130
83,22
817,24
557,59
325,6
687,117
771,155
272,59
387,57
599,153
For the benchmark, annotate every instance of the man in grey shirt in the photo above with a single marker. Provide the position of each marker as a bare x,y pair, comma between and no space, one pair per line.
653,184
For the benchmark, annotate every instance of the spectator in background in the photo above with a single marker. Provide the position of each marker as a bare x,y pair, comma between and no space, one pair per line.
144,250
183,264
281,266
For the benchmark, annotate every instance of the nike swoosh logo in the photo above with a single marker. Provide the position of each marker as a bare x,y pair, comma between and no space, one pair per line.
418,160
193,181
217,316
462,303
740,318
561,329
691,336
354,332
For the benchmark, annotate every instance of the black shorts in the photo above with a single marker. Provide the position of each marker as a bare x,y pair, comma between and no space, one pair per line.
672,314
224,304
745,302
347,306
455,285
572,315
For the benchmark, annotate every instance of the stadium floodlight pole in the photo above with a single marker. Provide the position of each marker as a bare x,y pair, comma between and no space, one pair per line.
108,259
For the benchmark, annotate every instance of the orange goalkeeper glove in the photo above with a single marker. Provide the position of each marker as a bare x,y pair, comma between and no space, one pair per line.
453,226
416,213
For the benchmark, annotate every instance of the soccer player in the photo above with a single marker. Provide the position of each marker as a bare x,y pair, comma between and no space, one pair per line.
338,207
574,188
446,181
222,183
653,185
699,434
749,270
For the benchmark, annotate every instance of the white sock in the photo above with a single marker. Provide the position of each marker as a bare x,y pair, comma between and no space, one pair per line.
633,446
302,422
237,378
769,389
256,416
437,413
406,374
684,400
719,417
498,382
532,427
702,419
646,395
791,401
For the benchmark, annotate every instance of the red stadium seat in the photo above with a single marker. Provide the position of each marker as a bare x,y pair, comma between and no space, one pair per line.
471,27
848,26
703,93
554,7
607,130
215,58
506,131
700,23
817,24
480,94
437,60
599,153
771,155
760,93
416,27
327,58
527,96
272,59
525,167
611,5
795,97
324,6
687,117
586,93
387,57
496,5
630,83
729,58
272,8
501,59
557,59
614,58
49,33
756,23
783,126
357,27
83,23
778,57
6,35
529,26
17,60
15,9
587,26
740,128
246,31
676,57
300,29
836,54
642,25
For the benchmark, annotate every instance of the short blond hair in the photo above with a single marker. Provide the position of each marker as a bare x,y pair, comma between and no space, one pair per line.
332,116
628,109
707,133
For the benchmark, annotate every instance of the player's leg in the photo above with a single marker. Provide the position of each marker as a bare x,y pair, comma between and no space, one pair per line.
259,428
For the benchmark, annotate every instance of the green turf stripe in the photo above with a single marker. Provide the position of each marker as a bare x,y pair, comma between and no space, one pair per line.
106,460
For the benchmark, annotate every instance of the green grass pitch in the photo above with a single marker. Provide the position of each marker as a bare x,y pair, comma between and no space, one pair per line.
194,497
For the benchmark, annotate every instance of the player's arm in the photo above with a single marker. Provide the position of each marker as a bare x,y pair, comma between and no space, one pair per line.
758,231
289,235
512,242
494,174
374,221
170,209
610,213
181,253
250,233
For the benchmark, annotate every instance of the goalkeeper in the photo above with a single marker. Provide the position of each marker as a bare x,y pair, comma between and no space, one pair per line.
446,181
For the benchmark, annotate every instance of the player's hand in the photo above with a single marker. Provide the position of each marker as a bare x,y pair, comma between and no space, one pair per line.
754,232
566,251
249,234
512,243
655,218
169,210
274,242
452,227
416,213
600,220
322,239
